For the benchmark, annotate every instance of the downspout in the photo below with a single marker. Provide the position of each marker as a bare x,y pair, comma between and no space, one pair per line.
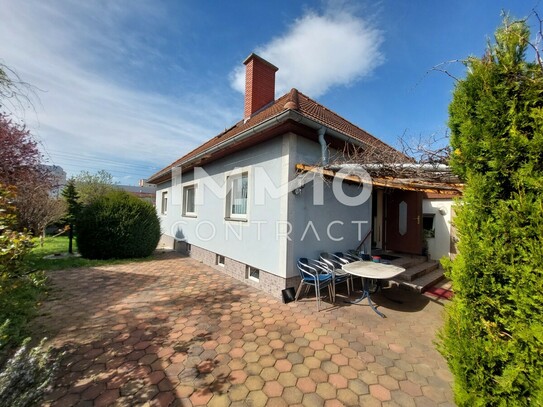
324,147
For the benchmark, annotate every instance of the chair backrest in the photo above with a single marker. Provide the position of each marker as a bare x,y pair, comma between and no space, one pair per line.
354,253
306,271
332,260
321,266
345,257
350,257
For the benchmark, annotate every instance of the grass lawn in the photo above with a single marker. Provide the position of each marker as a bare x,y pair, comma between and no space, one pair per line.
59,244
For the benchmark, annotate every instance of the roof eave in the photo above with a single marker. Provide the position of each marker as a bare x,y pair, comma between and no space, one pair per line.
289,114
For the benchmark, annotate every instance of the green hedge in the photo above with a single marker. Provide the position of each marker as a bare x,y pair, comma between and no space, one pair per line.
493,333
117,225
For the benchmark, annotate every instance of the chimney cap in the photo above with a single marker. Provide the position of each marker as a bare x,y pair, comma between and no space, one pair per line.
254,56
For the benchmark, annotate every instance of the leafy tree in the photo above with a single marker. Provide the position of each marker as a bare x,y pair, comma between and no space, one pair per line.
493,333
20,158
71,197
92,186
21,166
14,245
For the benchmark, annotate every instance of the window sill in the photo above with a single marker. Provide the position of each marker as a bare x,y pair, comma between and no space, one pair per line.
189,215
235,219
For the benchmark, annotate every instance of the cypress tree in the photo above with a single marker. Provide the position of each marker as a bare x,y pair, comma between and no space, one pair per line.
493,332
70,195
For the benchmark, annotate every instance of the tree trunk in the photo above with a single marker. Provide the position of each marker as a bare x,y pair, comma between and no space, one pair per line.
70,237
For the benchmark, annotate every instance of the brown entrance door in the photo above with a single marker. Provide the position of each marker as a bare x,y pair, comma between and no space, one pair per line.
404,221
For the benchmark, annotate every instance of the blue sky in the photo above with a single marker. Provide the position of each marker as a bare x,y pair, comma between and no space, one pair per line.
129,86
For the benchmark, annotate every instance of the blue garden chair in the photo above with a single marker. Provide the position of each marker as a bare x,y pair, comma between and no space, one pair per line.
335,263
314,274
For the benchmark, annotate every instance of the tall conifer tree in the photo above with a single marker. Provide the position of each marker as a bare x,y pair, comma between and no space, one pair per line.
493,333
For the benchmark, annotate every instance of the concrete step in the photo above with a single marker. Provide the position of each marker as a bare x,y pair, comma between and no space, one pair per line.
423,282
418,270
408,261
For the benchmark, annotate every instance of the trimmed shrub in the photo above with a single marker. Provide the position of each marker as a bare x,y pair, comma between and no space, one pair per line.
493,332
117,225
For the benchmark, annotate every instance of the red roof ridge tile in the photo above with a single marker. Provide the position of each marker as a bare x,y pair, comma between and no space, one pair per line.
292,102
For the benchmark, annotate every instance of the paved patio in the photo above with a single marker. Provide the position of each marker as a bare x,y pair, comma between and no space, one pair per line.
175,332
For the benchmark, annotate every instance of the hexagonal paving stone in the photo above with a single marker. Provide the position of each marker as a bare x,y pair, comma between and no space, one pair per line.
380,392
257,398
238,392
201,397
312,362
306,385
292,395
273,388
329,367
254,383
269,373
287,379
318,375
300,370
326,390
283,365
312,399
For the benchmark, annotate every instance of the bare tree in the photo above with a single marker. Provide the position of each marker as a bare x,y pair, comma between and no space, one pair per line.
420,158
15,94
37,208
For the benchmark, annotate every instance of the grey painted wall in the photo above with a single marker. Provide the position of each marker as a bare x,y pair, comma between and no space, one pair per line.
328,227
254,242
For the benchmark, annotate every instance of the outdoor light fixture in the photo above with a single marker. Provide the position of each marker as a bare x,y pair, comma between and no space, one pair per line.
297,191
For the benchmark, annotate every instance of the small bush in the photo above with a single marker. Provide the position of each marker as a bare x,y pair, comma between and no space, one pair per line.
20,289
117,225
26,376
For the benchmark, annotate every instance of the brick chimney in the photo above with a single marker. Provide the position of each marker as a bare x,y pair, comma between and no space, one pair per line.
259,84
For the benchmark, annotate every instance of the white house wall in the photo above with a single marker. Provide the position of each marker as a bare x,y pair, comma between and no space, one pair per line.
255,242
439,246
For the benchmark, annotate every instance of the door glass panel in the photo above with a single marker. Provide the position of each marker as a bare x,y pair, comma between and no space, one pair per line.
402,221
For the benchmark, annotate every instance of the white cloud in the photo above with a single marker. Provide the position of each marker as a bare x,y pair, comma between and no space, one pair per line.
84,112
320,51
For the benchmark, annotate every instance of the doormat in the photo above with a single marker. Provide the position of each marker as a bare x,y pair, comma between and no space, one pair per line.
439,292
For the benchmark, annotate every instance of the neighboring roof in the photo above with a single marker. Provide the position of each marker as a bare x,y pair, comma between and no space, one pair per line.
137,189
294,101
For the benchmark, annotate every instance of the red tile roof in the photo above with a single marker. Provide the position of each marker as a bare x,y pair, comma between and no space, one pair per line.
293,100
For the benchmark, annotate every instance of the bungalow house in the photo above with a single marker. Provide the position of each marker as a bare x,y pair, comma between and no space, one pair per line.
266,191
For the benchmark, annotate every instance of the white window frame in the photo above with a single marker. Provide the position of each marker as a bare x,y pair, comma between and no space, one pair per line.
250,271
220,259
164,199
230,178
184,190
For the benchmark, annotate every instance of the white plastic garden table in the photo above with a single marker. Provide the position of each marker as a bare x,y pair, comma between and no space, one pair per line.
369,270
